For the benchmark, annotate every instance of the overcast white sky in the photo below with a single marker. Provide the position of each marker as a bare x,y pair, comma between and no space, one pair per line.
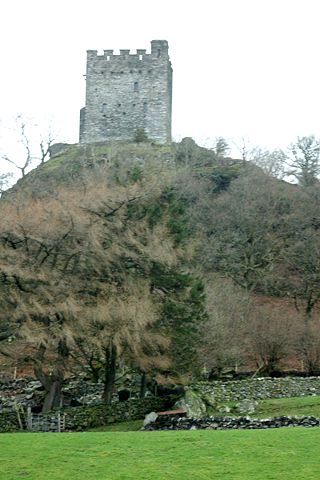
241,67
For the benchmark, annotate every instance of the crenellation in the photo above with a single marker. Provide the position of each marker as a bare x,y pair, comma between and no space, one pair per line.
159,48
92,53
127,92
141,54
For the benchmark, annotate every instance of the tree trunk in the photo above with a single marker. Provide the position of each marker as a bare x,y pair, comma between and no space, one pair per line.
110,372
94,370
143,385
53,388
53,398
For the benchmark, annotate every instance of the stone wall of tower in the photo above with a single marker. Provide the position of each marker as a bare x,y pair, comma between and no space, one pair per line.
128,92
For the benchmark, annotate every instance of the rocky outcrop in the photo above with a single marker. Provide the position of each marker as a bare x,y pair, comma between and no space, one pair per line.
247,406
192,403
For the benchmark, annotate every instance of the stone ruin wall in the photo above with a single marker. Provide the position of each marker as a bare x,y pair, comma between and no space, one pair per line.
128,92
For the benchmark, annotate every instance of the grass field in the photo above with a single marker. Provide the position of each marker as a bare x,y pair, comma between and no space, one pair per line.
289,406
287,453
298,406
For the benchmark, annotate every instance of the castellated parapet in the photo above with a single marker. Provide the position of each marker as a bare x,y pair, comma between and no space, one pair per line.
126,93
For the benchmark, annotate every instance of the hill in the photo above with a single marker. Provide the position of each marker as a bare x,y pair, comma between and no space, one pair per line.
169,260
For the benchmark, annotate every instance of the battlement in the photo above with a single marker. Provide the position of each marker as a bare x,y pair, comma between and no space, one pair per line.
126,92
159,49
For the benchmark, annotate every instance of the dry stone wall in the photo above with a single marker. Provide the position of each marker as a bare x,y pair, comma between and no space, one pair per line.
9,422
257,388
166,422
81,418
211,393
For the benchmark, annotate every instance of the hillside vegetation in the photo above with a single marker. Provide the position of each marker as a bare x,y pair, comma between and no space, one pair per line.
169,260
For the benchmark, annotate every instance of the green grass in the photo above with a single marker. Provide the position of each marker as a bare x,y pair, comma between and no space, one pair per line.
130,426
289,406
288,453
294,406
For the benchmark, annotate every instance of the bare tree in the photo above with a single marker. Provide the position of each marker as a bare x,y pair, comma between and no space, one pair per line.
122,327
73,268
272,162
221,147
228,307
301,257
308,345
271,333
45,143
27,141
245,148
4,181
244,228
305,163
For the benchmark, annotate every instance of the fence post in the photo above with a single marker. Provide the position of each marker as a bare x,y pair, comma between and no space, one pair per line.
17,407
29,419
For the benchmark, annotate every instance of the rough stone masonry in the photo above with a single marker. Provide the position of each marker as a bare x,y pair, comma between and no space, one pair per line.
126,93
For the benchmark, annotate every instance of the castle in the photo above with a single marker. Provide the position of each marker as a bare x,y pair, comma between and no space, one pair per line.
126,93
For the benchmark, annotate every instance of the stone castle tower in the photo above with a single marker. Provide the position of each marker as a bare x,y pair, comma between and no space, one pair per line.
126,93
